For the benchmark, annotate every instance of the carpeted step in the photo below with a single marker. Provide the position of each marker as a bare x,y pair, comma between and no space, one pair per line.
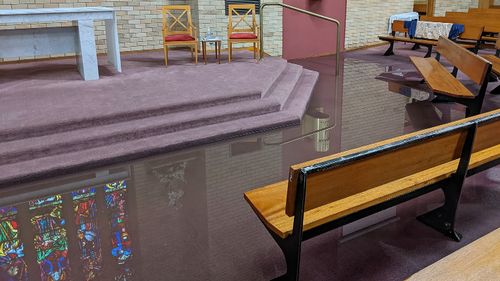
16,133
132,149
299,99
81,139
285,84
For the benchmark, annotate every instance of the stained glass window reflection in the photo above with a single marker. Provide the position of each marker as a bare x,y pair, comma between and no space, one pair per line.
121,249
50,242
12,264
85,209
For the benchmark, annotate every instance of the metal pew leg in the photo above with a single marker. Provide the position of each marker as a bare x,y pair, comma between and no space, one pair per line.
495,91
429,51
442,219
390,50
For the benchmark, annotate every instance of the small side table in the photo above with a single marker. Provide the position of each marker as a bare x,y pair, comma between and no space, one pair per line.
217,42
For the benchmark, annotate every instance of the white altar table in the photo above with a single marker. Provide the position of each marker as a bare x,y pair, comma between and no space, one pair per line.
79,39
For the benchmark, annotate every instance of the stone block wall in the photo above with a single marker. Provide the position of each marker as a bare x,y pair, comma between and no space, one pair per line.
366,20
140,24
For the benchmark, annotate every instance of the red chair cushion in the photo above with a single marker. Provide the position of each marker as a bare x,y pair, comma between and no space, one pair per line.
179,37
243,36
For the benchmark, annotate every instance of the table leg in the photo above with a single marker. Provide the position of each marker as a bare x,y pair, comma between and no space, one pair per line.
219,44
204,51
86,50
112,43
216,53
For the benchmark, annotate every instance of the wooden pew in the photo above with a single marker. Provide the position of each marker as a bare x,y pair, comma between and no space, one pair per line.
332,191
480,260
471,33
481,15
495,61
489,21
445,85
398,27
483,11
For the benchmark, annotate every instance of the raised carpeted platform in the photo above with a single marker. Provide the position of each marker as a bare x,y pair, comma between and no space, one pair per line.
53,121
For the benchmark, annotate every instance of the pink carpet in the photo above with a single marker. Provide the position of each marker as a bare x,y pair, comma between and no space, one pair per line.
53,120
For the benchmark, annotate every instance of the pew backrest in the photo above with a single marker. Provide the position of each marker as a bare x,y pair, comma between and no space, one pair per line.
472,32
472,65
489,21
340,176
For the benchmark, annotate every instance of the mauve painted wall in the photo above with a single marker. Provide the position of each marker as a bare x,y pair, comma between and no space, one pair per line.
305,36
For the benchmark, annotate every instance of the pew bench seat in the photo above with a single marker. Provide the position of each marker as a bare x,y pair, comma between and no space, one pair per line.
439,79
390,38
269,202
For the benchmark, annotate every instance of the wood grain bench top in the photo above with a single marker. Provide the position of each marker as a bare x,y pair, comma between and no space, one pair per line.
440,79
495,61
409,40
480,260
269,201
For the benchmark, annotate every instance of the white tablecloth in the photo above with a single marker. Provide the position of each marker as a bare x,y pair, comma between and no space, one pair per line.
404,16
432,30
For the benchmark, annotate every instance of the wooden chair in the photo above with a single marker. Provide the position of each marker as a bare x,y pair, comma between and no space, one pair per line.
445,84
332,191
178,29
242,30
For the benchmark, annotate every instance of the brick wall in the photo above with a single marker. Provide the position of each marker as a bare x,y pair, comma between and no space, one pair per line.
443,6
140,25
366,20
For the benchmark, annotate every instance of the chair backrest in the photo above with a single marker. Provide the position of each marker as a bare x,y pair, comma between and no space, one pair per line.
177,19
242,18
472,32
359,170
399,26
472,65
497,45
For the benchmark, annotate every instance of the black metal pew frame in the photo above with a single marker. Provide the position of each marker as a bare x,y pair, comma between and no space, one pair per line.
474,105
441,219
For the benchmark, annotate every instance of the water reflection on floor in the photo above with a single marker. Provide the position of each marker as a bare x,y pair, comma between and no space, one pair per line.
181,216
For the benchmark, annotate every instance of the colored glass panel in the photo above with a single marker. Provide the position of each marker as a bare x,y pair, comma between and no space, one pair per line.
12,264
85,209
51,242
121,250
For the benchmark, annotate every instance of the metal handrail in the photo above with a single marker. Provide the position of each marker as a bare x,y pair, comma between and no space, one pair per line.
337,55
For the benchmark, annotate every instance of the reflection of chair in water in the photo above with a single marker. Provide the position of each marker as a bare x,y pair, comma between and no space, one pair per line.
177,32
240,30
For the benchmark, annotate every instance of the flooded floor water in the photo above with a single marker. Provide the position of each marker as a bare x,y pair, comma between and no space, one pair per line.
182,216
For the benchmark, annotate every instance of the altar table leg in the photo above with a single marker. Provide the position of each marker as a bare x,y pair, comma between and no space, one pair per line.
113,45
86,50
